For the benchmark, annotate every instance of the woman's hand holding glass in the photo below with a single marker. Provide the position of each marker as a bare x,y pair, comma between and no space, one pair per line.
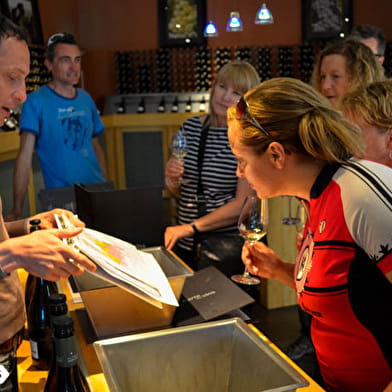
179,146
252,225
174,171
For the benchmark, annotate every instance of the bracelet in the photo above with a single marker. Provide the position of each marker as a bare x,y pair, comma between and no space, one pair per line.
195,229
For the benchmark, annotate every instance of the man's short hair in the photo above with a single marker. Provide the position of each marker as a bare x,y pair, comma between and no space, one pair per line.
10,29
368,31
54,40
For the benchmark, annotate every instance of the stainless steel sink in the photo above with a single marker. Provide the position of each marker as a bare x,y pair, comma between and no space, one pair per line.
222,356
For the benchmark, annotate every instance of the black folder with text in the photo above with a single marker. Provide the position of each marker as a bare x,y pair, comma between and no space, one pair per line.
208,295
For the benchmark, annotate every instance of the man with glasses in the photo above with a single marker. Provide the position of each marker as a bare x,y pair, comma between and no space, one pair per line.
373,37
61,122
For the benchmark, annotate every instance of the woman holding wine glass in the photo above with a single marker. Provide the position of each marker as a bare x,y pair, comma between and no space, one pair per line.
340,68
209,194
288,140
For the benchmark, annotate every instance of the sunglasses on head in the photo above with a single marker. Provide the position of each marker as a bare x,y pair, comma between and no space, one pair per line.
243,114
54,38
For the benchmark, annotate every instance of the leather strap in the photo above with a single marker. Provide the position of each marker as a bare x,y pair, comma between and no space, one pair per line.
201,200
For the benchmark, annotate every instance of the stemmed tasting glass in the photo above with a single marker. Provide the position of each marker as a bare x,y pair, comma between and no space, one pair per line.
290,220
300,224
252,224
179,147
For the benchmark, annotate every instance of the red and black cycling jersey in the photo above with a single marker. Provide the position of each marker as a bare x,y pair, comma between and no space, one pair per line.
342,281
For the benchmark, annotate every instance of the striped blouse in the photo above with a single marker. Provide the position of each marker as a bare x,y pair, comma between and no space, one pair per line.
219,181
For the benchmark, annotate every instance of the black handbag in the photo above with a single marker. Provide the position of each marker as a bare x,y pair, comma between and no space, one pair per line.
222,249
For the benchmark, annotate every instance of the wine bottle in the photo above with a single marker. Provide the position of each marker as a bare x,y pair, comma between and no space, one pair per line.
141,107
174,108
121,106
202,107
57,308
58,311
66,375
161,106
38,322
188,105
31,279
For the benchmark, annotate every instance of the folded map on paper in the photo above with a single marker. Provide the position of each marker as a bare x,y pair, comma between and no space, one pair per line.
121,262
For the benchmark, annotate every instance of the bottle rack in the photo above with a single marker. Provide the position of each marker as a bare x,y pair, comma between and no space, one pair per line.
157,103
39,74
193,69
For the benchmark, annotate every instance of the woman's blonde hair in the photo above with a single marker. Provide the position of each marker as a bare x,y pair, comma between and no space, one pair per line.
240,74
373,104
361,64
301,119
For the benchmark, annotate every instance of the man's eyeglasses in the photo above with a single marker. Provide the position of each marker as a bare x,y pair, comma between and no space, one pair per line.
243,114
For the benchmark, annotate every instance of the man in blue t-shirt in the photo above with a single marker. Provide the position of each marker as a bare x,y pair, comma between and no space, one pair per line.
61,122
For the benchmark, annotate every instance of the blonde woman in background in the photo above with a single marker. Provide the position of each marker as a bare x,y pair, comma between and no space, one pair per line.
222,191
344,66
371,109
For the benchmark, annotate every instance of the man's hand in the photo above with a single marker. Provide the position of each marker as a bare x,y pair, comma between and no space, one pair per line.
43,253
48,221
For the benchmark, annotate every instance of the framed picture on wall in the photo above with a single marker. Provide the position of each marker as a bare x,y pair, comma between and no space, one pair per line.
325,19
24,13
181,22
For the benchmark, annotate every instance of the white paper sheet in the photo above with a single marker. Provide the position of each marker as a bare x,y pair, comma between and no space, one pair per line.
125,262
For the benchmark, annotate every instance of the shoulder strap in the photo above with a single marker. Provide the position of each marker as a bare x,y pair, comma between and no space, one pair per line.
201,201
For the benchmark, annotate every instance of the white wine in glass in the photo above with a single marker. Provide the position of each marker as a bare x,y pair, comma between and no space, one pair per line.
252,225
179,147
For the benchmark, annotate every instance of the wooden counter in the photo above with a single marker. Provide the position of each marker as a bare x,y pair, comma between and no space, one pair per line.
33,380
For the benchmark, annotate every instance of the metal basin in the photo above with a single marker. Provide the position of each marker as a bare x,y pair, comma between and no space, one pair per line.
221,356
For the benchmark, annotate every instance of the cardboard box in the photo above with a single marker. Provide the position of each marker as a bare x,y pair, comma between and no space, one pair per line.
114,311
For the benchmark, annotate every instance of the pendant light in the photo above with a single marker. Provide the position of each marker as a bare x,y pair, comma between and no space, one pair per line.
210,30
234,23
264,15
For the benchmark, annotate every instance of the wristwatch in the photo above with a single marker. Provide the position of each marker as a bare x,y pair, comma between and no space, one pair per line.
2,273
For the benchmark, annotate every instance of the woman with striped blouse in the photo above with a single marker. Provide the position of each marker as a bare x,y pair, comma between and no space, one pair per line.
222,191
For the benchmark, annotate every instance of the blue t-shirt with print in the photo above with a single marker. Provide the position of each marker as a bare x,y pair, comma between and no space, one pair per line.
64,128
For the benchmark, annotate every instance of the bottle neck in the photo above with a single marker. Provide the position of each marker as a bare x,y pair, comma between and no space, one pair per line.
66,353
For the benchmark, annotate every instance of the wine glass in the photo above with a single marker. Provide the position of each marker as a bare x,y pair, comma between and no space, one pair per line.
252,224
179,147
300,225
290,220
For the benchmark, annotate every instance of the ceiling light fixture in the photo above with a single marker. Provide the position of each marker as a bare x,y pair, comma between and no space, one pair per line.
264,15
234,23
210,30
